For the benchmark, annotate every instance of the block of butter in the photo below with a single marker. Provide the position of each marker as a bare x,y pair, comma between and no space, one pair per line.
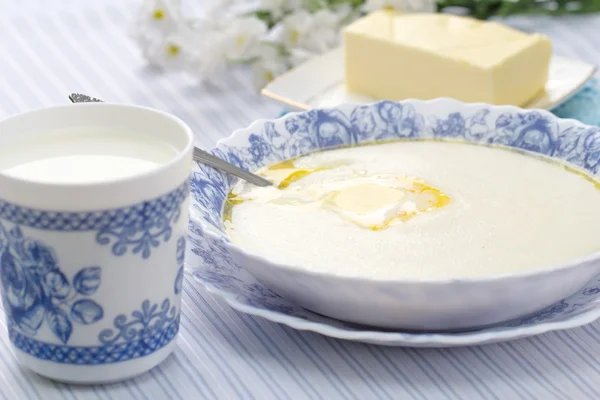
396,56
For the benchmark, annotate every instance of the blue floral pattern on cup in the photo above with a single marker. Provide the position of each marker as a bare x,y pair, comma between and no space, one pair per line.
147,330
147,322
37,294
296,134
137,229
36,291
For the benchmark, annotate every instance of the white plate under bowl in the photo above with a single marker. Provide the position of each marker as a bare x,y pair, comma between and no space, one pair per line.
211,265
319,82
567,295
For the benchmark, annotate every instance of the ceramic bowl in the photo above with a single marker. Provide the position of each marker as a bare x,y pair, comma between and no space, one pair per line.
432,305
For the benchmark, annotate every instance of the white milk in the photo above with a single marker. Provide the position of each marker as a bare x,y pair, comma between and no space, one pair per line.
83,156
484,211
80,169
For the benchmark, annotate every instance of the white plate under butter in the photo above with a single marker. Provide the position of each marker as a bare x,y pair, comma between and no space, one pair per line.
319,82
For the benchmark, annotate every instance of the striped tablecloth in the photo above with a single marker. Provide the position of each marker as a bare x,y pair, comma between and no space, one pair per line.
49,48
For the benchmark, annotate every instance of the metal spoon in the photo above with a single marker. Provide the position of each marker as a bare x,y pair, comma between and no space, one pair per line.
200,155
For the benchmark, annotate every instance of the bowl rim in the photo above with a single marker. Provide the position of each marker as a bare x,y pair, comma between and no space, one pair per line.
584,261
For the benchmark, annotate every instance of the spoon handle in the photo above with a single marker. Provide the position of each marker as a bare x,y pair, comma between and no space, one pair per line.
200,156
204,157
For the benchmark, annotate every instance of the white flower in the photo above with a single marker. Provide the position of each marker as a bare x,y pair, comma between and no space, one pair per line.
295,28
277,8
230,32
157,32
172,51
324,32
299,56
315,33
220,11
160,15
401,5
243,38
269,64
209,58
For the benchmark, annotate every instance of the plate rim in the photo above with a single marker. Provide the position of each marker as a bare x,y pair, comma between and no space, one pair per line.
267,91
392,338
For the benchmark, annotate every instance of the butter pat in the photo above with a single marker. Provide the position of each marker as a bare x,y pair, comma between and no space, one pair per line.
399,56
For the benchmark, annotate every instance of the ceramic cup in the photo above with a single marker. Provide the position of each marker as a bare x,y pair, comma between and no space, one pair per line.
91,273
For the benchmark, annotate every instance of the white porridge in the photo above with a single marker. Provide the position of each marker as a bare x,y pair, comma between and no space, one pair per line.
420,210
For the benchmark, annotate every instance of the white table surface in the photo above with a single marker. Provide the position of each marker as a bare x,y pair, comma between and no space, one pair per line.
49,48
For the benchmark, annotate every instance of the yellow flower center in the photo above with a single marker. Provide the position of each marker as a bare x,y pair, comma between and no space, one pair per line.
173,50
269,76
240,40
158,14
295,35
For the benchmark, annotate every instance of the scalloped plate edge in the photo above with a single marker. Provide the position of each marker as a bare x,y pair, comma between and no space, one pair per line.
400,338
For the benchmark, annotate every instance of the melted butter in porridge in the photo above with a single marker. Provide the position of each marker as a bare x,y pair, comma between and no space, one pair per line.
372,202
417,210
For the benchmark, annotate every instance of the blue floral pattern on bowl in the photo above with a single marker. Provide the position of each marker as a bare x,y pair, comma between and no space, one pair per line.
177,286
296,134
